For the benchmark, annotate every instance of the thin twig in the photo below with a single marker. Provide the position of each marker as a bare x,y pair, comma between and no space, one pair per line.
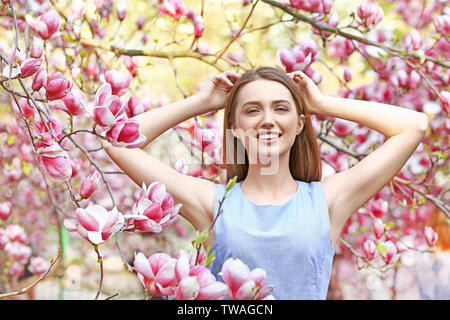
100,261
338,31
238,34
41,277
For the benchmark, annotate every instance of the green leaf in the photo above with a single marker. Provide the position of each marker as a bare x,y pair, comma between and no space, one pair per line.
381,248
427,148
83,53
26,167
201,237
10,139
69,58
421,59
209,257
230,184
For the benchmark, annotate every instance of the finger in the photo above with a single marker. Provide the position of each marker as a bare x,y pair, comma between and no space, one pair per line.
226,81
233,76
298,74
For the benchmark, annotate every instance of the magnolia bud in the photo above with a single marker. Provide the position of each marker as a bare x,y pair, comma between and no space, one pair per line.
90,184
37,48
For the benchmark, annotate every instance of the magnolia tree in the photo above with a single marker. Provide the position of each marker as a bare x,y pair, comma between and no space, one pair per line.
77,72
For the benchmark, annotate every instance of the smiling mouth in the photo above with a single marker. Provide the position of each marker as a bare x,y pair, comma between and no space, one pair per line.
268,138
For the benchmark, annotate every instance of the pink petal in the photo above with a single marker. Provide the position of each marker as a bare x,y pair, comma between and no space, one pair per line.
234,273
142,266
182,266
214,291
166,275
187,289
86,220
247,291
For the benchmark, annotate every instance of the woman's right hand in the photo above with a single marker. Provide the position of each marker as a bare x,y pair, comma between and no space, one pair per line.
215,89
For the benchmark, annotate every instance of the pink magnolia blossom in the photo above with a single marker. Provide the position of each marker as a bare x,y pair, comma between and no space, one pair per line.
95,223
181,165
16,269
442,24
140,22
389,252
342,127
18,251
342,48
430,236
40,78
131,63
154,209
74,102
27,110
121,10
5,210
46,136
238,56
445,95
110,108
4,239
378,207
29,67
135,107
347,74
38,265
16,233
286,58
157,273
416,39
378,228
119,81
320,6
90,183
197,282
243,284
332,21
174,8
37,47
205,139
414,79
369,248
55,161
57,86
77,9
46,25
125,133
200,284
199,26
309,46
370,14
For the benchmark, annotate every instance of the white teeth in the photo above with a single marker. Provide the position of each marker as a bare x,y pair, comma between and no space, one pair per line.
268,136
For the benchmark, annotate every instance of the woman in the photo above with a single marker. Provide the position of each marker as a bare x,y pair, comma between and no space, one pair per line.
280,216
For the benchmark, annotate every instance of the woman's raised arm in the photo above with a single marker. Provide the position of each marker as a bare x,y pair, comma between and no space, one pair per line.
196,195
348,190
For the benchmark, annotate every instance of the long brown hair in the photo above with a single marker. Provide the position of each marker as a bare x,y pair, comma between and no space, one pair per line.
304,159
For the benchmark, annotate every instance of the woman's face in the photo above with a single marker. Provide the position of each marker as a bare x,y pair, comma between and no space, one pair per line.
266,119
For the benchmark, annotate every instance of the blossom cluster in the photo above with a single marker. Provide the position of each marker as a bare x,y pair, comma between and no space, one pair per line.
162,275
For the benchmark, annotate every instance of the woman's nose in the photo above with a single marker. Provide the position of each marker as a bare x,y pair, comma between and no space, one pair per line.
268,120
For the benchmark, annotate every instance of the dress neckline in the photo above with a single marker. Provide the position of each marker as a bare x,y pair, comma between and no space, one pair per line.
270,205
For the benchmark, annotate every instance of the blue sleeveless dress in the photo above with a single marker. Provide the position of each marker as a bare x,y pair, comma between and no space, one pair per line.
290,242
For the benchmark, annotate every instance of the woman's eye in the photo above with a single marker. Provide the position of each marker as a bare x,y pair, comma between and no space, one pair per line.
255,110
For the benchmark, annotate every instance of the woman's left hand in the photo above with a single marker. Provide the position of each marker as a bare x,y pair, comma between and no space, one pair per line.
311,94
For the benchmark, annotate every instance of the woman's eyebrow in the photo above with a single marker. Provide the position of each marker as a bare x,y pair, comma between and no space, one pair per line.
253,102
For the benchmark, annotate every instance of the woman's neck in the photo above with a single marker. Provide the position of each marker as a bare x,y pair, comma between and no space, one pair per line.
274,179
